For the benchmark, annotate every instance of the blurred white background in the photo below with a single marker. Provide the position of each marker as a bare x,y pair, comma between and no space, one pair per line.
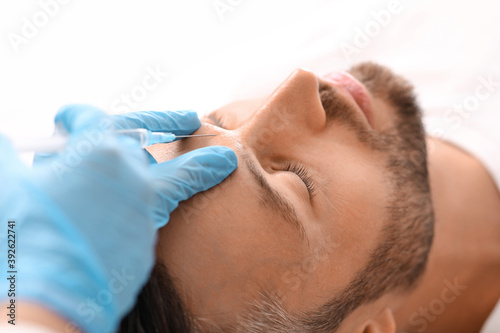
204,53
94,51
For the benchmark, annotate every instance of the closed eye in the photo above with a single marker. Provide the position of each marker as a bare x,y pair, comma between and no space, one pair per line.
303,174
216,120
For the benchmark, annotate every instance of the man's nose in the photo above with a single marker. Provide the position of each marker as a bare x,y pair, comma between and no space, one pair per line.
293,111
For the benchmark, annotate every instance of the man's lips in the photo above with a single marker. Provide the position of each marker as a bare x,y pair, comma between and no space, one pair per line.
354,88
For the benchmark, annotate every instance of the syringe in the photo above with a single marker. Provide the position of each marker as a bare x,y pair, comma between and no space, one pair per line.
58,142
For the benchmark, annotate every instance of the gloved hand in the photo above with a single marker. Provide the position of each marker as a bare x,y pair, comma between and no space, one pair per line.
86,219
175,180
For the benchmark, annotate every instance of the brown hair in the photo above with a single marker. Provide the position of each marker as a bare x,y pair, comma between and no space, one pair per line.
159,307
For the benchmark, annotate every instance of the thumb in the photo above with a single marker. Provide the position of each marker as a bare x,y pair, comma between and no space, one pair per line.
188,174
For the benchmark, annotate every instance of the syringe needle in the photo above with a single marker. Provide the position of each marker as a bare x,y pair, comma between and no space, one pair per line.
193,135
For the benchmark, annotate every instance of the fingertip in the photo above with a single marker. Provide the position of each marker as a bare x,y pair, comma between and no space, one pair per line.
187,113
228,156
187,120
191,173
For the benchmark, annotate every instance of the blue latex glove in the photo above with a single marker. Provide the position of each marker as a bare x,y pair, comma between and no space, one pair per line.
171,184
86,219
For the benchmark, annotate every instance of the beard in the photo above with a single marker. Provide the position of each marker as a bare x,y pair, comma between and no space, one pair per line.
400,258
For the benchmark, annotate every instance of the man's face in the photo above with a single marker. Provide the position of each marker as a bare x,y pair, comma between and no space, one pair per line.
303,211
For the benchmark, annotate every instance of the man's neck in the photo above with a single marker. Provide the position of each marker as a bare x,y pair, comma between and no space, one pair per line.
461,284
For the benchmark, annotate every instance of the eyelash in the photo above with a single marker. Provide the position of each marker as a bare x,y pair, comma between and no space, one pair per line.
303,174
217,120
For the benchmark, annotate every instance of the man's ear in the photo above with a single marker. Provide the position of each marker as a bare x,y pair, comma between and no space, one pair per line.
383,323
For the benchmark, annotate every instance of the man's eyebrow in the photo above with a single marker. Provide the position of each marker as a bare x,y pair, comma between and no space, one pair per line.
274,199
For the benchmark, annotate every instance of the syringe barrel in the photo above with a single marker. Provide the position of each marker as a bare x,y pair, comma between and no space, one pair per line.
140,134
